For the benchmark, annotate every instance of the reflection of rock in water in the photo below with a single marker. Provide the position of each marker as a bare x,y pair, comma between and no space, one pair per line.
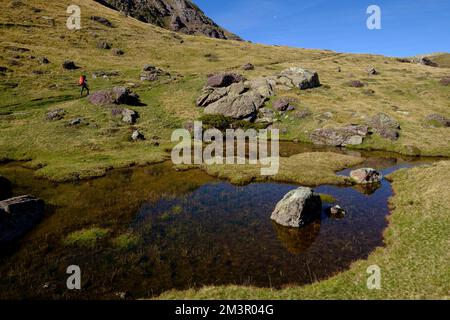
367,189
297,240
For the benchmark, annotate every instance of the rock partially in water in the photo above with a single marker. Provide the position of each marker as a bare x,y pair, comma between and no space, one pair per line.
17,216
337,212
350,135
5,188
297,208
366,176
385,126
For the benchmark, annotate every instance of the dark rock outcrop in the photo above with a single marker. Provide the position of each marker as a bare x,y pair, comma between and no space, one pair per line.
220,80
17,216
297,208
69,65
5,188
176,15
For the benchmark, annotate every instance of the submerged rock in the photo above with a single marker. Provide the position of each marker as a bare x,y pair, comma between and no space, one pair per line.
366,176
350,135
297,208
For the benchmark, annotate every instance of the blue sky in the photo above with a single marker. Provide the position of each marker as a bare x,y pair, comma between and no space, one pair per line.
408,27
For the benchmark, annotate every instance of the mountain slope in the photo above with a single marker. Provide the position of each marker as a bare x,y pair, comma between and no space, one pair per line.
29,89
176,15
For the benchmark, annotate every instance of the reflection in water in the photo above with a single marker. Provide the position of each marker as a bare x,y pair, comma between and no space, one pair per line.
190,230
367,189
296,240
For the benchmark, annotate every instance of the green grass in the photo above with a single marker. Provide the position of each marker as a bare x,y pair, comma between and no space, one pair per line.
414,260
86,237
127,241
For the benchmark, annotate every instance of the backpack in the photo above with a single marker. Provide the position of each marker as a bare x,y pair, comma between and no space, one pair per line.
82,81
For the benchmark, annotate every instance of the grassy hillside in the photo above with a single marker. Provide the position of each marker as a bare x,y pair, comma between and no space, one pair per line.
407,92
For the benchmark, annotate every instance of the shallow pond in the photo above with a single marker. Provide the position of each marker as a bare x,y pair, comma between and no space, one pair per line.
167,229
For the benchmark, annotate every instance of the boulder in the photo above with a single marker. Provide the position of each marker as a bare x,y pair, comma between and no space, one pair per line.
238,107
137,136
438,120
223,79
117,95
263,86
366,176
350,135
118,52
104,45
151,73
69,65
337,211
75,122
299,78
43,60
248,67
17,216
356,84
372,71
56,114
129,116
385,126
5,188
283,104
297,208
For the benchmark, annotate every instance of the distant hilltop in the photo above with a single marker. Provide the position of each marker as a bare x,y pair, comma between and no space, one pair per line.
176,15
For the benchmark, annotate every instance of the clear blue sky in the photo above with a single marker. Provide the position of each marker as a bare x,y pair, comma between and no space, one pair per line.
409,27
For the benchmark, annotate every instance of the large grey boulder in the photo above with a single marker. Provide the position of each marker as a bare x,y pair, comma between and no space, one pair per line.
117,95
237,107
366,176
385,126
299,78
340,137
297,208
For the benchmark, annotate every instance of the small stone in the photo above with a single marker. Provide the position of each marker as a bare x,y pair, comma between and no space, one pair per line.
248,67
366,176
337,211
137,135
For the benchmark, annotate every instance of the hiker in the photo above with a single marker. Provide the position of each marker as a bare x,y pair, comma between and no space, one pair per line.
83,84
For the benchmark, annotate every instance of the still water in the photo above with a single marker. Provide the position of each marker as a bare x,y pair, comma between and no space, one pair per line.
188,230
